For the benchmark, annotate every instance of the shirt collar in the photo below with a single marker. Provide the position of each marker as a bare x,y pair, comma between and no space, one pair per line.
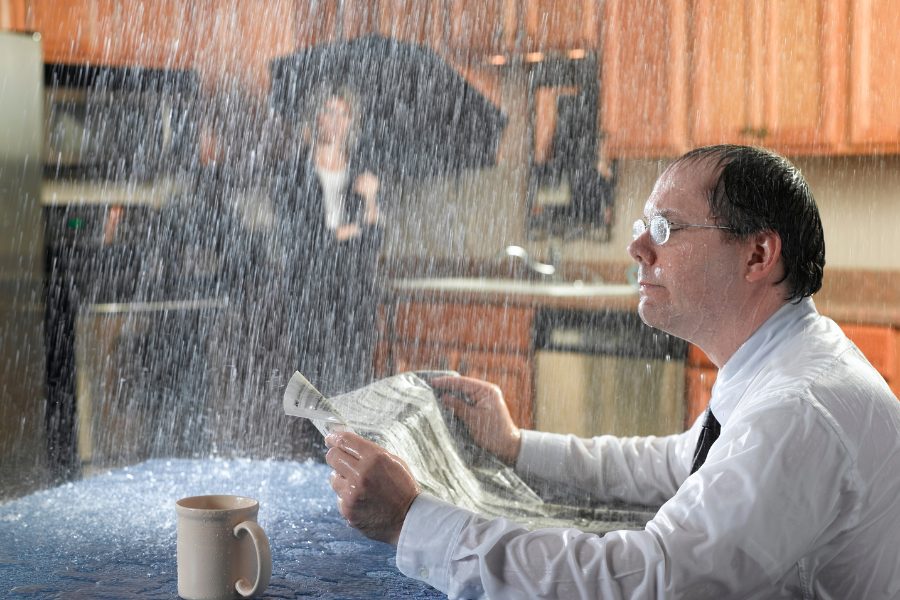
752,356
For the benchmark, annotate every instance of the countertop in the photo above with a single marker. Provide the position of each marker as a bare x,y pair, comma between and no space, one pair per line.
113,535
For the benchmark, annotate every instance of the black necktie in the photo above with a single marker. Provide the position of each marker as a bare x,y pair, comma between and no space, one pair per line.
708,435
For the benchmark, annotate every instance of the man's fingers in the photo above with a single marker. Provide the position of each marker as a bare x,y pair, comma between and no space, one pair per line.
349,442
473,390
343,463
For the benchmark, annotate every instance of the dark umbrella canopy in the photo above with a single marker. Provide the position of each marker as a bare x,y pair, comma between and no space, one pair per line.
420,117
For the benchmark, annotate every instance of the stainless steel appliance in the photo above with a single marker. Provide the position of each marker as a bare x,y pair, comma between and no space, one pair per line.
125,124
22,389
607,373
119,143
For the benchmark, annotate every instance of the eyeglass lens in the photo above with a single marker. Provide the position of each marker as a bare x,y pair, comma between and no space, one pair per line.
659,229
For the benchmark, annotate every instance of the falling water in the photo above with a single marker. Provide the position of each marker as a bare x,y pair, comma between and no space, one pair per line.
181,292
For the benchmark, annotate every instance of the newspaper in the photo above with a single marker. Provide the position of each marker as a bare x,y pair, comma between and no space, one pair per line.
402,414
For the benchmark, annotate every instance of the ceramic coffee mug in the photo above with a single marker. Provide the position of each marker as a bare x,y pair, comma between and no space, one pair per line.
222,551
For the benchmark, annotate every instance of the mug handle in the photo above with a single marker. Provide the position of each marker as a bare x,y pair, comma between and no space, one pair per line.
263,559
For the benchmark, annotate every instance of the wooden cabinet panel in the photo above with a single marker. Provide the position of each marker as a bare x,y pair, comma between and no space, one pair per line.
156,35
12,15
552,26
512,373
698,390
467,325
878,344
416,21
874,75
493,343
236,41
769,73
721,68
478,27
700,375
802,82
68,29
422,357
644,77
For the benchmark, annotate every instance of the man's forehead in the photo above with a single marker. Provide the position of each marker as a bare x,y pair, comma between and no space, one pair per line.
681,185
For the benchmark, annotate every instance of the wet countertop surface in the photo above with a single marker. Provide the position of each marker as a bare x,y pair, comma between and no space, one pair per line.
113,535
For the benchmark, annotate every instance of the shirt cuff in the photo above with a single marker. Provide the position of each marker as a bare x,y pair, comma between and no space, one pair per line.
542,454
427,538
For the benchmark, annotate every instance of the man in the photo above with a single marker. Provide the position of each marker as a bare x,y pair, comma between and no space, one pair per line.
797,496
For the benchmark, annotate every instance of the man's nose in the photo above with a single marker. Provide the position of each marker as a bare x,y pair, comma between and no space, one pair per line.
641,249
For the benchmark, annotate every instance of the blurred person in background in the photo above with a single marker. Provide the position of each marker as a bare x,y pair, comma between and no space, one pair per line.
330,214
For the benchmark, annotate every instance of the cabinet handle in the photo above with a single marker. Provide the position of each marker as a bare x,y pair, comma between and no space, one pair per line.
760,133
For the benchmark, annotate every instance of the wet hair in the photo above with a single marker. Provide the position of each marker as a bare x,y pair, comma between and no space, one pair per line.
757,190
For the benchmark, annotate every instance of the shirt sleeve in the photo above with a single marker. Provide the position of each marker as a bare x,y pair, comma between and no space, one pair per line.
642,470
735,528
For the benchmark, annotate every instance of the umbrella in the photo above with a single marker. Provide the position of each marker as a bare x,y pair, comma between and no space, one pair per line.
419,116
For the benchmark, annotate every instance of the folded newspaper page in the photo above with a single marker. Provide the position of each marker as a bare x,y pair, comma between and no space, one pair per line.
403,414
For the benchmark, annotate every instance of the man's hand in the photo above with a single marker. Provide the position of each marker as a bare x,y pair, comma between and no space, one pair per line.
481,407
375,488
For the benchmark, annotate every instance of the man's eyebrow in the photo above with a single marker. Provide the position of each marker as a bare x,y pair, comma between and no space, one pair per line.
663,212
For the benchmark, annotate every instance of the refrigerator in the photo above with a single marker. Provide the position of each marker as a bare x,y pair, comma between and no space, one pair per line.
22,351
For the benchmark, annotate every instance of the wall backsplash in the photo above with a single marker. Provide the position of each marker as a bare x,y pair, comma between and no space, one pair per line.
858,197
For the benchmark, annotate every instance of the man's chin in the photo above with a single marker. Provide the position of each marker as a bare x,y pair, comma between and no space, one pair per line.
651,315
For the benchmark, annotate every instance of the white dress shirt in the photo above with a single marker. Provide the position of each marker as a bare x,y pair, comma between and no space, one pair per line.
334,184
798,498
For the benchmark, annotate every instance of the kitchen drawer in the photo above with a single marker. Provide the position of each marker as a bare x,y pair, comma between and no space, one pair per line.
466,325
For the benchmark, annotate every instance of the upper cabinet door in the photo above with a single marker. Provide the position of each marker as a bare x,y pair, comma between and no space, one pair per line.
801,87
479,28
553,26
67,29
644,77
721,72
160,35
768,72
875,76
12,15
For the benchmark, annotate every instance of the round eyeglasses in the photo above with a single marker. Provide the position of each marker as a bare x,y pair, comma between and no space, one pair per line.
661,228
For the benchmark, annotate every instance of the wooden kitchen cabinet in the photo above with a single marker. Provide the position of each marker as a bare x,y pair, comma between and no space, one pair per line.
644,77
12,15
491,342
881,346
479,27
68,29
874,109
700,375
159,35
769,73
552,26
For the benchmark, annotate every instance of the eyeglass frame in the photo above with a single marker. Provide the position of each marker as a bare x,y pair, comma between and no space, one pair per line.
645,226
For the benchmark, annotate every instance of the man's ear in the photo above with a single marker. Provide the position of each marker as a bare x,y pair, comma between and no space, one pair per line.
763,256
